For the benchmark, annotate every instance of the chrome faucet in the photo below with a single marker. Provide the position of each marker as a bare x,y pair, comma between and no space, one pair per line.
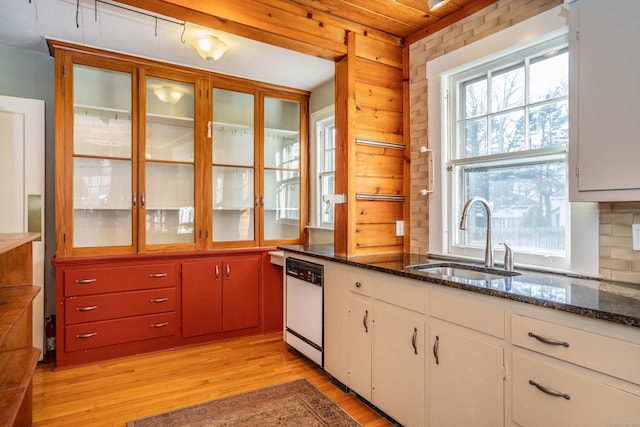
488,251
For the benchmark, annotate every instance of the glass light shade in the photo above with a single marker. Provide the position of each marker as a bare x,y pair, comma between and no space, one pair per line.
168,94
435,4
210,47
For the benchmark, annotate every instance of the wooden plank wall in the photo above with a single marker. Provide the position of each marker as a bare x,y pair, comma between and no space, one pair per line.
371,154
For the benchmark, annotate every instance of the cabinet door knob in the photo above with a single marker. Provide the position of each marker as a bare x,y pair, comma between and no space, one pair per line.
358,284
436,344
414,338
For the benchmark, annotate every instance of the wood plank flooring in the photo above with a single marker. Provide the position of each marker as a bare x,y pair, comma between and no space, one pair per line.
112,393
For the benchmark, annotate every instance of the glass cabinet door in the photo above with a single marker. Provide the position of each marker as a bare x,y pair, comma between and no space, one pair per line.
169,162
102,158
281,169
233,165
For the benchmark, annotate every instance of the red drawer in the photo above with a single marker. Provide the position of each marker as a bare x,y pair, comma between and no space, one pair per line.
118,331
117,279
124,304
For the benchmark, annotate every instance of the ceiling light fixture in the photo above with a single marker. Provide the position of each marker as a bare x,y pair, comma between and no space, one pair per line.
210,47
168,94
435,4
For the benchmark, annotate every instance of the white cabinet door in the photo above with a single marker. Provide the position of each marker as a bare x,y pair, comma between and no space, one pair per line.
604,92
399,364
466,386
360,333
22,192
336,317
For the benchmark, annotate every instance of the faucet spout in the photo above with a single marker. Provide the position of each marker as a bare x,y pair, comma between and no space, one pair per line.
488,251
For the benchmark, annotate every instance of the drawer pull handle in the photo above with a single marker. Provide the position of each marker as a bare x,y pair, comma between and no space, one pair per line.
159,299
358,284
88,308
413,340
365,321
548,340
228,271
157,275
549,391
85,281
159,325
436,344
89,335
217,272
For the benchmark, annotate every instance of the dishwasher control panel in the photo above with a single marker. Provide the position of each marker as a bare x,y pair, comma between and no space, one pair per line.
304,270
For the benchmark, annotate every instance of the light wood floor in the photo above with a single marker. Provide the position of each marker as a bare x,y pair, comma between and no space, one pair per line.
112,393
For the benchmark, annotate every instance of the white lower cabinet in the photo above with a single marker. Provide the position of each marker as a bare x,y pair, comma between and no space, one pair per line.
465,378
398,371
434,356
552,393
360,338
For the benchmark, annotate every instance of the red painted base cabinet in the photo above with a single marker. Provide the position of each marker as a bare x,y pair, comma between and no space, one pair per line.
112,307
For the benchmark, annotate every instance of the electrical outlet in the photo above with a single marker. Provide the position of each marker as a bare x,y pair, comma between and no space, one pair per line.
399,228
635,232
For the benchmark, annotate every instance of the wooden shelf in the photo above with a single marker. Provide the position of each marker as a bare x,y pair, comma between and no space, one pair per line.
16,372
18,358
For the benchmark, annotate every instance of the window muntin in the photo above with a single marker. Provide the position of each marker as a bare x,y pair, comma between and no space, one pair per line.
509,135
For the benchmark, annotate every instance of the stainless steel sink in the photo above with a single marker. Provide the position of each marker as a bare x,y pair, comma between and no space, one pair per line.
453,271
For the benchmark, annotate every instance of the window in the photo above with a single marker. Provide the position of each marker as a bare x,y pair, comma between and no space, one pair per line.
323,169
508,124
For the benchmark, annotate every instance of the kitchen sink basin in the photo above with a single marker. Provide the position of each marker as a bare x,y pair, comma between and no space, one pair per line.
453,271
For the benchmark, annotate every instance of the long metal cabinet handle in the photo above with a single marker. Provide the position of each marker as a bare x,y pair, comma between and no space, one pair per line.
413,340
548,340
89,335
159,299
158,275
217,271
365,320
549,391
436,344
85,281
159,325
88,308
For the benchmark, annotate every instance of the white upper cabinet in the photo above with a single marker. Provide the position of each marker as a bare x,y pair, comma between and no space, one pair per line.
604,145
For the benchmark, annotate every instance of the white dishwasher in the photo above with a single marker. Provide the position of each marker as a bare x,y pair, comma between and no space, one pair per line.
304,305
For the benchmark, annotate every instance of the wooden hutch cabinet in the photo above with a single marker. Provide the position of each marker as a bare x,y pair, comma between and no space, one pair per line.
166,175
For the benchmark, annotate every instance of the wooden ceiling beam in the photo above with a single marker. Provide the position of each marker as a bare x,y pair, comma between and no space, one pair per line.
282,23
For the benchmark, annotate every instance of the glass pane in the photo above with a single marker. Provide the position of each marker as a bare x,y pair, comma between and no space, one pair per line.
102,202
528,203
474,98
233,128
102,112
233,204
169,126
549,76
281,133
507,132
329,149
549,125
169,203
507,89
474,135
281,205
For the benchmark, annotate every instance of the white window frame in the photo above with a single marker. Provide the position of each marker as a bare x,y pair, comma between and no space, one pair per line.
318,121
583,246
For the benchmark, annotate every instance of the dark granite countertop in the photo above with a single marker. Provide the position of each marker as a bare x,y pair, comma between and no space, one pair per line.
598,299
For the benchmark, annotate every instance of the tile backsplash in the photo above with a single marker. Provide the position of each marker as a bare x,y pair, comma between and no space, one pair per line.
618,260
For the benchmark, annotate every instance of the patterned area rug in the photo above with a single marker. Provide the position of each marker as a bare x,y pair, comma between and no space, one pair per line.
297,403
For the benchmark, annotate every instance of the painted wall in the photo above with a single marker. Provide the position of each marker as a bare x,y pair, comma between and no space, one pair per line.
29,74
